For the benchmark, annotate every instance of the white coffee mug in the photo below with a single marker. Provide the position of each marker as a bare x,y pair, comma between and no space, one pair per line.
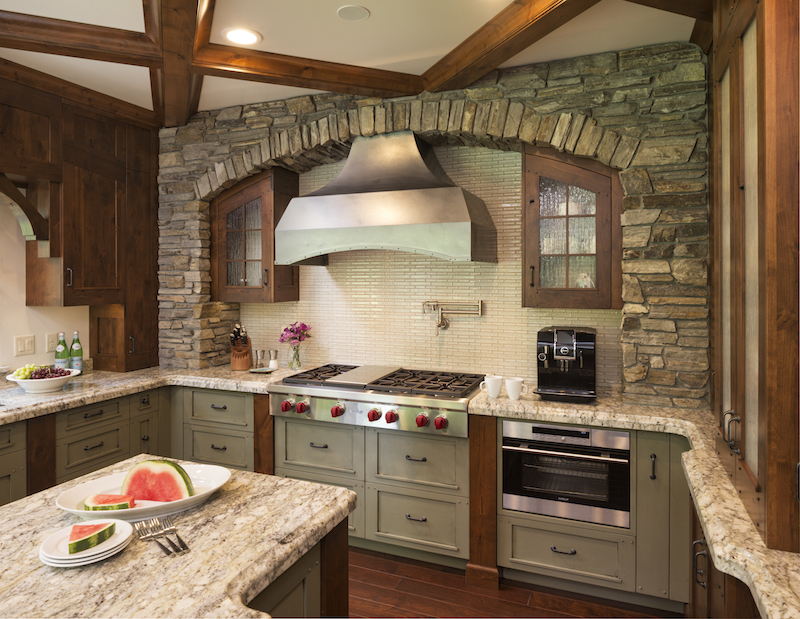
515,388
491,385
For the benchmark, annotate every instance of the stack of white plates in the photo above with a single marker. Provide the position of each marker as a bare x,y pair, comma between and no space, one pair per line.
55,549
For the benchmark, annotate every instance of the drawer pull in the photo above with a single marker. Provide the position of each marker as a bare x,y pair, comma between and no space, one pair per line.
315,446
87,448
423,519
653,461
564,552
422,459
224,407
90,415
697,571
223,448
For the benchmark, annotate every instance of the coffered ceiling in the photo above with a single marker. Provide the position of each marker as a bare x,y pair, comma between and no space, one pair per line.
157,62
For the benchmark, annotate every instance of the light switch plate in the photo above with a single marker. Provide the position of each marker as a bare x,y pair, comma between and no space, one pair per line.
24,345
52,342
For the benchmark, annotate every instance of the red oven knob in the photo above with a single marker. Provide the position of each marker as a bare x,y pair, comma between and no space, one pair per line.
337,411
440,422
301,407
374,415
422,420
286,406
391,417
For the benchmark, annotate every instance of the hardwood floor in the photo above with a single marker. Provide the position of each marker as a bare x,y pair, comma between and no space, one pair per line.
387,586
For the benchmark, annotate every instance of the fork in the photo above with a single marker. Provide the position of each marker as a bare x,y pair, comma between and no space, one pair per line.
156,529
145,535
169,527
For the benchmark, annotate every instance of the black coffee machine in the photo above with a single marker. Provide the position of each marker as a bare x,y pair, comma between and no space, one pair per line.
566,362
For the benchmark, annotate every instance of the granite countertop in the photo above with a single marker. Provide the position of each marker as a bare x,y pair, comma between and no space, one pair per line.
734,543
246,535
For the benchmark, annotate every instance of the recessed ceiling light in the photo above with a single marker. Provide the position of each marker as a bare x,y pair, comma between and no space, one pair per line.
242,36
352,12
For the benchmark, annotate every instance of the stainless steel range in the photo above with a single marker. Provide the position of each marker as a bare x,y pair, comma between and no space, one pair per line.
380,396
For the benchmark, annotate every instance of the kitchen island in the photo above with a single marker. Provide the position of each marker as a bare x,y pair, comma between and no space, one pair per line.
245,536
735,546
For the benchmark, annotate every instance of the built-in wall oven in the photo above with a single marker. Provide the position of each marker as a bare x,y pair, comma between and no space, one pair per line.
568,472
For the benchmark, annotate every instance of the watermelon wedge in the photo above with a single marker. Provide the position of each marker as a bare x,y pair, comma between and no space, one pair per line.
157,480
108,501
85,536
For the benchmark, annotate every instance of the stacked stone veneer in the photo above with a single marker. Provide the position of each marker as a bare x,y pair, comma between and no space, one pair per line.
642,111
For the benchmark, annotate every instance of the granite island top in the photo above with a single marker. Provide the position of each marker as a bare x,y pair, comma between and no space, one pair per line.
247,534
734,543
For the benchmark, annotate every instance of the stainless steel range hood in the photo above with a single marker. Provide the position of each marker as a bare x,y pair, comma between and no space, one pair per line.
391,194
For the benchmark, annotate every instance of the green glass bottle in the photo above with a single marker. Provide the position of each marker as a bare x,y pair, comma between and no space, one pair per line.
62,353
76,353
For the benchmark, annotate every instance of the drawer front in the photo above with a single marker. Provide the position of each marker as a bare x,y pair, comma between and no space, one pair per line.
12,437
438,462
232,449
13,482
596,557
219,407
416,519
93,449
145,402
356,520
144,434
89,417
326,447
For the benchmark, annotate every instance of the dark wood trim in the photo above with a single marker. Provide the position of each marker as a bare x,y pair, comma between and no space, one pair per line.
34,227
152,21
41,454
481,570
205,19
257,66
263,435
78,94
702,35
67,38
725,42
195,90
778,179
699,9
513,29
334,577
178,24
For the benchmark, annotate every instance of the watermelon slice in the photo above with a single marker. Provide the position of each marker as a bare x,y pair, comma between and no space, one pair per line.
85,536
157,480
108,501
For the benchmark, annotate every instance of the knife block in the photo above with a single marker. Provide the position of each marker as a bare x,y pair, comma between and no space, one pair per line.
241,357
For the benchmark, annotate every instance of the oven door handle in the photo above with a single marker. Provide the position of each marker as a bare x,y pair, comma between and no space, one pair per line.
562,454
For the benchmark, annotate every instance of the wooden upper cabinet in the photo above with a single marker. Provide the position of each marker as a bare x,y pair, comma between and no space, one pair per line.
243,221
95,134
30,132
572,239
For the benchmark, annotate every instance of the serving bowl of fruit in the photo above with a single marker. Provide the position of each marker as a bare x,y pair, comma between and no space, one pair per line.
42,378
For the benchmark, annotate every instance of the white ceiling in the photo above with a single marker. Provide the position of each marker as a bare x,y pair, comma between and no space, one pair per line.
408,36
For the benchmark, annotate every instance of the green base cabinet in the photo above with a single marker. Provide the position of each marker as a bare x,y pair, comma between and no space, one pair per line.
13,477
296,592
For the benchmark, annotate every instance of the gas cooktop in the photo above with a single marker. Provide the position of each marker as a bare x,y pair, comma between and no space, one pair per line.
389,380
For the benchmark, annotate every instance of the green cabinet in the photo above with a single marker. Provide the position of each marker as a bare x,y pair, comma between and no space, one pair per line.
296,592
13,483
216,427
412,489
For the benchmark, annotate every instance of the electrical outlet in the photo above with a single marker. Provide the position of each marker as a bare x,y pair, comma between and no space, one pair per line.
24,345
52,342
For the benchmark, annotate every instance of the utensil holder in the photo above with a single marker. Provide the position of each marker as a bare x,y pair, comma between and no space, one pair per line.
241,357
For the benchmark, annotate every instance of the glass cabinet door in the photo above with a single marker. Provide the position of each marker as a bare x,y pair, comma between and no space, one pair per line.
243,235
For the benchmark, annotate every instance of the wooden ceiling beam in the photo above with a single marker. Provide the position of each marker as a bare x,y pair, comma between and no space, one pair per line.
20,74
65,38
257,66
178,26
514,29
698,9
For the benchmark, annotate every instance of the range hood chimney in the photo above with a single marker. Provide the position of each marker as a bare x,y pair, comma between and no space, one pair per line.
391,194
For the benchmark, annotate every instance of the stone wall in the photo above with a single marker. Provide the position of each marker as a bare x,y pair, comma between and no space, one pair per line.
642,111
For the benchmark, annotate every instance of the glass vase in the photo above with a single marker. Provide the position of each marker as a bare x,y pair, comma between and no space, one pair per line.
294,361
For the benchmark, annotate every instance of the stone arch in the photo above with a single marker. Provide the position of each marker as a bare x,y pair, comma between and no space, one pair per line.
642,112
